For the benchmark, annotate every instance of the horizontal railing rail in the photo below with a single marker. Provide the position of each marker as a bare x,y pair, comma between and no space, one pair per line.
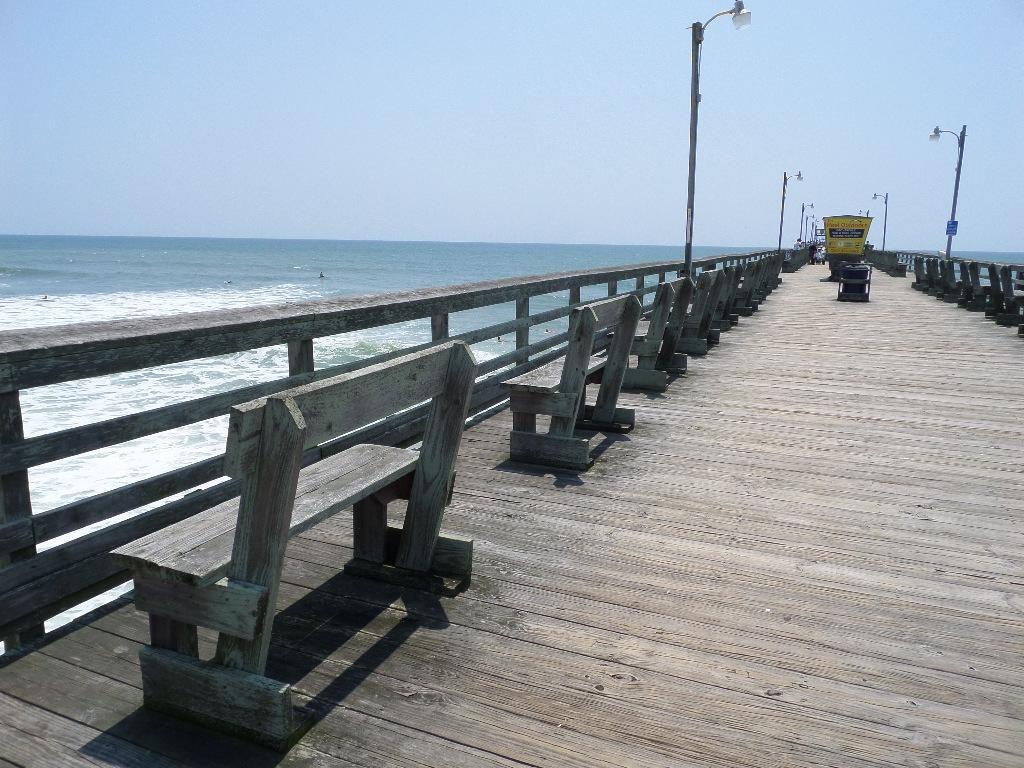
35,585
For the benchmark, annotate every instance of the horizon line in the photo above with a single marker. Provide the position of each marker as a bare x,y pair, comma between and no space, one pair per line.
439,242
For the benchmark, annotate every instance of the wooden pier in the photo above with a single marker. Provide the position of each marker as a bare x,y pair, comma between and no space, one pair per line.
809,552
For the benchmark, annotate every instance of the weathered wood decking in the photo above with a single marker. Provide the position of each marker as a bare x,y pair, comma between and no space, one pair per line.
810,552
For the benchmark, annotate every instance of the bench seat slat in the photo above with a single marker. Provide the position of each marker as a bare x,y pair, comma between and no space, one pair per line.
197,550
547,377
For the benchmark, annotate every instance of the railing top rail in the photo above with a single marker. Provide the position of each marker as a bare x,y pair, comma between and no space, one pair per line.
38,356
932,255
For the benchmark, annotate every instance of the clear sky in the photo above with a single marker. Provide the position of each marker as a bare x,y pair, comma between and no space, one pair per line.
506,121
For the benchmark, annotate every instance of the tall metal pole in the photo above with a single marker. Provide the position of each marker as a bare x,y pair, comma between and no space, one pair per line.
885,221
956,188
802,221
782,213
696,40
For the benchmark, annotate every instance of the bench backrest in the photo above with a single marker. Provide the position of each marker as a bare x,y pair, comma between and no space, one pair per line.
684,289
724,306
773,267
608,312
949,274
734,290
974,278
344,403
584,323
995,290
919,270
661,311
701,297
621,313
1006,281
715,291
756,277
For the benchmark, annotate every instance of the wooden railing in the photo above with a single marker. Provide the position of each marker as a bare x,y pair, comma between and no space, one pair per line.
997,288
36,585
796,259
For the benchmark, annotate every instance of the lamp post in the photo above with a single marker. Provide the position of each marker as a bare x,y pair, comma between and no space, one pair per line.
885,222
802,218
785,180
960,139
740,19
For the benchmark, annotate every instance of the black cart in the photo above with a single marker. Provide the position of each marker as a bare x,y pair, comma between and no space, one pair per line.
854,282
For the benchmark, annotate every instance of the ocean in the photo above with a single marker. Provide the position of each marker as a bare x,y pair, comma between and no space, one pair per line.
47,281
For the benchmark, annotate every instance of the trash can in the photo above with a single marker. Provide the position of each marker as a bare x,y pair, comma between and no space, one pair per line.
854,282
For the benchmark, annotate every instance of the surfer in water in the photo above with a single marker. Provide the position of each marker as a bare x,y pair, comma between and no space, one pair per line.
322,275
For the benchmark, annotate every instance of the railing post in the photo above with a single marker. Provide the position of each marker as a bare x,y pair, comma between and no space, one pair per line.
613,287
300,356
661,277
523,334
15,500
574,295
640,283
439,327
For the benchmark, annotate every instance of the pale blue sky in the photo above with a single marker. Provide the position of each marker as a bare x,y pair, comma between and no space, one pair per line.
506,121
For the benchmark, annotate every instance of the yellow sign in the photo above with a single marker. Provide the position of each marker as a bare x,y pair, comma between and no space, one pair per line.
845,235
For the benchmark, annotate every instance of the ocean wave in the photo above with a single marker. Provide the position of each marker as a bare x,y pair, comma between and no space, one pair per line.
34,311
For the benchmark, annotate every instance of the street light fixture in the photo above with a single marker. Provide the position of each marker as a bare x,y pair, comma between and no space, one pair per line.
785,180
740,19
960,139
885,222
802,219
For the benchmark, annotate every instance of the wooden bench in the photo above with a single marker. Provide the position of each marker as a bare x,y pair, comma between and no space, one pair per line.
748,297
920,277
773,273
657,337
932,276
972,293
951,287
697,326
221,568
994,293
1020,302
558,389
725,318
1011,302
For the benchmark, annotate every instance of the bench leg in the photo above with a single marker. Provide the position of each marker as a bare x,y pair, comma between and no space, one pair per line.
673,363
251,706
369,529
452,558
619,420
692,345
173,635
524,422
648,379
550,450
432,481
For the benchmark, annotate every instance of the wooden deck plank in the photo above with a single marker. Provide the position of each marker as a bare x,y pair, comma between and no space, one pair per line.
808,553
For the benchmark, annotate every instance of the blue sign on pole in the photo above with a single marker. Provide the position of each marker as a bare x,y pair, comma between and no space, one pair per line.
951,227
